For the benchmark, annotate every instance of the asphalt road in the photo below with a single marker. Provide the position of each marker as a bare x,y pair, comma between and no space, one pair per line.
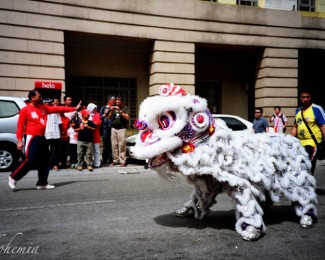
115,213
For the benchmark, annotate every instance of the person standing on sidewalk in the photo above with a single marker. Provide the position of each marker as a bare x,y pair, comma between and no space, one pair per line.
120,116
95,117
315,118
67,100
260,124
85,130
73,141
280,120
53,134
31,127
106,117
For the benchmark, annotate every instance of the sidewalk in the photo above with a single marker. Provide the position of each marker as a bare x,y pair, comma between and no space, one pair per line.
138,168
128,169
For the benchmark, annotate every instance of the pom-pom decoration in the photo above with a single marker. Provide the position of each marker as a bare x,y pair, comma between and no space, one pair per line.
171,90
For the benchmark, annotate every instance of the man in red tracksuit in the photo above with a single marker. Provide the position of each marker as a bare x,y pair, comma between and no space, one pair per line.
31,126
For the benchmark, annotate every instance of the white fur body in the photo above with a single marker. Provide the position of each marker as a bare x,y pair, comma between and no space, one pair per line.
250,168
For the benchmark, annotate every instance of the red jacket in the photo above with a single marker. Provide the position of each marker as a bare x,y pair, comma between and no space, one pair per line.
32,120
96,119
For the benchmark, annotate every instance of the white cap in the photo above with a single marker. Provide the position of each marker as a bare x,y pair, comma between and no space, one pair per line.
91,107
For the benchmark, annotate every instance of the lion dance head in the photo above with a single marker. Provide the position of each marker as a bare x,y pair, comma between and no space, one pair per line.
172,121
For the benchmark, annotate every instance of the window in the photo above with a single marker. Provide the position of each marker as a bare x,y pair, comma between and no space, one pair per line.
306,5
247,2
234,123
96,90
8,109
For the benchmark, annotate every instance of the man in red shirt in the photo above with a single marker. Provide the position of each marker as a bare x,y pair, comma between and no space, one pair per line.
31,127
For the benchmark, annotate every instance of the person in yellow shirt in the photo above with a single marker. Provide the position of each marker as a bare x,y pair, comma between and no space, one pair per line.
315,118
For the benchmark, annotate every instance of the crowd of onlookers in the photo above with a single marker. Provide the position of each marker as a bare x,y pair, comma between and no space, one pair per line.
75,138
49,133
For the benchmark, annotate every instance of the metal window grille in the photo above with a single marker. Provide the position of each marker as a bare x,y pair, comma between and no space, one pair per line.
306,5
247,2
96,90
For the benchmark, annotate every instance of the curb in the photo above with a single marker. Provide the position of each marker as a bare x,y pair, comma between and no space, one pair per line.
130,169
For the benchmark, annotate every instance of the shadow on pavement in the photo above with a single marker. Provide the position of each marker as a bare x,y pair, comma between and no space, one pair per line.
320,192
226,219
216,220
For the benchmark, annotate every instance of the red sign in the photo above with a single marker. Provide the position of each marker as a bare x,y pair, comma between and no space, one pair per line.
48,85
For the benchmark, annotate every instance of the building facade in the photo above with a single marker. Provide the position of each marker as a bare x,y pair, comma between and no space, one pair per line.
237,54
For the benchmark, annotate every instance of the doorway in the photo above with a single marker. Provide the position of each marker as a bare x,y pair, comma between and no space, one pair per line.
211,91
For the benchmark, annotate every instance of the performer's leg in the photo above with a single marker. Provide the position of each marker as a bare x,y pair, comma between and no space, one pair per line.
43,162
30,148
206,189
301,192
249,213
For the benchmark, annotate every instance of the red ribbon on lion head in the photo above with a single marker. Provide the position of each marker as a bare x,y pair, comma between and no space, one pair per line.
171,90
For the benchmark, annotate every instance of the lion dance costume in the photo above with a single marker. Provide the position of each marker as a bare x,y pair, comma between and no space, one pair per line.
179,135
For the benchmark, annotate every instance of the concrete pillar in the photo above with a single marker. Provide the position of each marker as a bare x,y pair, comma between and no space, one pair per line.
172,62
277,81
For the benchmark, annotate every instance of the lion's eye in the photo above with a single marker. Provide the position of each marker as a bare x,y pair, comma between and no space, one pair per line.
166,120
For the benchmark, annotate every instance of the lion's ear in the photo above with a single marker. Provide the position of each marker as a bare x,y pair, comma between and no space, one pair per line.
195,103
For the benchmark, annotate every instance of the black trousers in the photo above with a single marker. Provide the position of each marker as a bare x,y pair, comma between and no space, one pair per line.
312,156
107,145
73,153
63,152
55,151
37,156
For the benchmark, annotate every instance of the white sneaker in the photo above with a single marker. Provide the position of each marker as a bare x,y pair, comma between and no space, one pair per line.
184,212
45,187
12,183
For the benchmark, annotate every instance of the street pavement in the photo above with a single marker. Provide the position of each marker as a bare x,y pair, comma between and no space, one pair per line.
129,213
